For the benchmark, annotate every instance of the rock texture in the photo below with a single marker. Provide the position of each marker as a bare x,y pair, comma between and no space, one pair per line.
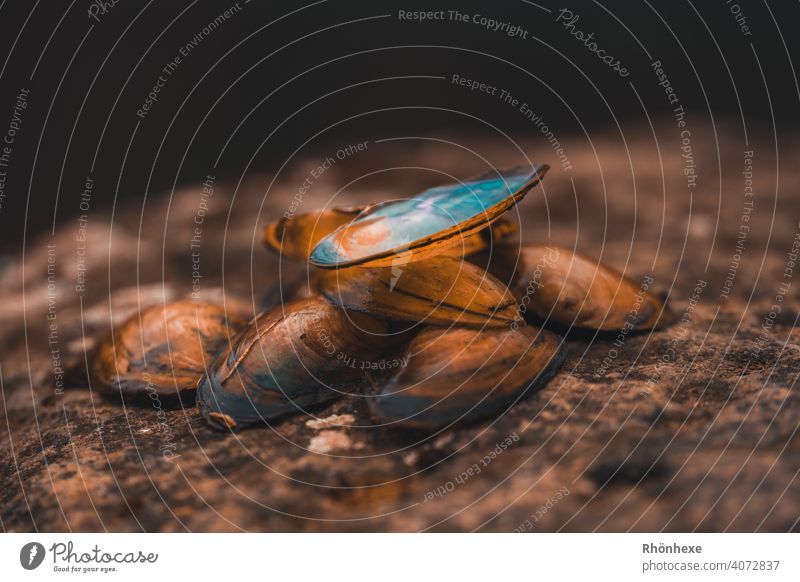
693,427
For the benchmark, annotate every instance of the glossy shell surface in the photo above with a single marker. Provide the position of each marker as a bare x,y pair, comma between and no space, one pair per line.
561,286
461,374
441,290
425,224
295,236
164,349
297,355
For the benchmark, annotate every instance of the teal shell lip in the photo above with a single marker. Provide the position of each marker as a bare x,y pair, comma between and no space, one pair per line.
394,227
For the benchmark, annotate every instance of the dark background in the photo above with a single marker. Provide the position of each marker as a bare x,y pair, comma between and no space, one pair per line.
93,76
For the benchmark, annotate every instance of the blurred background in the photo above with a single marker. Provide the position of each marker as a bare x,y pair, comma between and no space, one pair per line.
282,78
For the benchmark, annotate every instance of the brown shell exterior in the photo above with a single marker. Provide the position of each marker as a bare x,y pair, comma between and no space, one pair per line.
296,236
500,231
564,287
299,354
441,290
461,374
164,349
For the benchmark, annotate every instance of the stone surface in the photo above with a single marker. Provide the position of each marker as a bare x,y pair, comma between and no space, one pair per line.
693,427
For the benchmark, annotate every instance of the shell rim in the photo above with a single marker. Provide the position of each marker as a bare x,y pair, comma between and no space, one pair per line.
465,228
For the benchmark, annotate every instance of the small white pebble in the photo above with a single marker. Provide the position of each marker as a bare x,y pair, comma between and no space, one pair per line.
411,458
331,421
443,441
329,440
81,345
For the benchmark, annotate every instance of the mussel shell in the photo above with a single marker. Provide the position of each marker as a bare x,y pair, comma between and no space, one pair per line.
500,232
165,349
441,290
295,236
427,224
292,357
561,286
461,374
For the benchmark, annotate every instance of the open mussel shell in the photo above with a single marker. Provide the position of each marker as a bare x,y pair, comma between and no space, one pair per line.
299,354
165,349
427,224
460,374
441,290
564,287
295,236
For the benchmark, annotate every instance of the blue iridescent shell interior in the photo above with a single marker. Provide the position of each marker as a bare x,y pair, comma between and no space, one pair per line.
393,226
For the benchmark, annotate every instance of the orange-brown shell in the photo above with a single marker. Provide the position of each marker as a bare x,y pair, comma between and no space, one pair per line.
417,228
299,354
461,374
565,287
163,350
296,236
441,290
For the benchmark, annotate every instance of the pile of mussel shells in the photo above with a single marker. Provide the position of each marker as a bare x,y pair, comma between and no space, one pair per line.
424,306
